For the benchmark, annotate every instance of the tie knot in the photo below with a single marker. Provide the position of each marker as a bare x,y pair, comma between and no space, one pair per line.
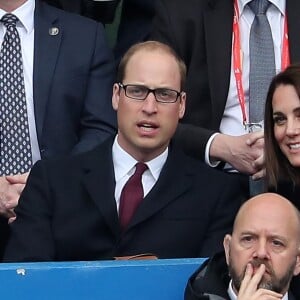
259,7
9,20
140,169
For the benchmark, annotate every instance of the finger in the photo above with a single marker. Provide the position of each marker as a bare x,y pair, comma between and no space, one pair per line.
12,219
254,137
256,278
18,188
19,178
11,204
259,166
267,294
260,142
246,279
258,175
258,163
250,283
7,213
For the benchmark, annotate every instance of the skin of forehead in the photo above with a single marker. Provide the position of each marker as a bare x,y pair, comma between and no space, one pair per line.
158,52
265,203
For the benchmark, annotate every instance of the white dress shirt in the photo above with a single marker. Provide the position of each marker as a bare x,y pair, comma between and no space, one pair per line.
25,27
124,167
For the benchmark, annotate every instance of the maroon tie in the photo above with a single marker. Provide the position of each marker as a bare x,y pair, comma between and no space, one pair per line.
131,196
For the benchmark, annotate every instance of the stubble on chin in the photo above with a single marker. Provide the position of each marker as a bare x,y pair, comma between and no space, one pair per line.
269,282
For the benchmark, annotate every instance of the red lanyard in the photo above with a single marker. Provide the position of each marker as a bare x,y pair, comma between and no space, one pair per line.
237,54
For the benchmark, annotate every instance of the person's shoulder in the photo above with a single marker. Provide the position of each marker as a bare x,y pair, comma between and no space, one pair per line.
204,175
72,162
210,280
195,165
65,16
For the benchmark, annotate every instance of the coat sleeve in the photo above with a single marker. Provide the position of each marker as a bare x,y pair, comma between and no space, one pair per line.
31,235
230,198
98,119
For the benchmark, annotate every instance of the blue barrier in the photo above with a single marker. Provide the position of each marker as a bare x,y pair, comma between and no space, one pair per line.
108,280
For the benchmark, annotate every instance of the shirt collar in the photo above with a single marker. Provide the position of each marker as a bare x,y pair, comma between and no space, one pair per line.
280,4
230,291
25,14
124,162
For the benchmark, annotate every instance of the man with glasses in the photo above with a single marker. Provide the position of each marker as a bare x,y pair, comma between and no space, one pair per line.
137,192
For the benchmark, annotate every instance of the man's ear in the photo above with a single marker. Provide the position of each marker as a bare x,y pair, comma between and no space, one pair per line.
182,105
226,245
297,266
116,96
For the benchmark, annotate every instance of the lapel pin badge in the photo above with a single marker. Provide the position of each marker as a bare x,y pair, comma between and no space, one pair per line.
53,31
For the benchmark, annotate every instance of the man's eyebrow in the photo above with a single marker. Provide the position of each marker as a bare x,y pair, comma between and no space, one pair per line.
247,232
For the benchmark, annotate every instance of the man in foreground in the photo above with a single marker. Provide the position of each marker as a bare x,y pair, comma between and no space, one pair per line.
261,256
136,193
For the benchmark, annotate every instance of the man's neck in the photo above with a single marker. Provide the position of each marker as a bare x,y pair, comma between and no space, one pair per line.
11,5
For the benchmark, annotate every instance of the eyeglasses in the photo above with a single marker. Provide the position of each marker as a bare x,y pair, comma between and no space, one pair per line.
141,92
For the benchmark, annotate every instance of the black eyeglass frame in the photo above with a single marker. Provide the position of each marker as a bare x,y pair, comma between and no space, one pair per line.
153,91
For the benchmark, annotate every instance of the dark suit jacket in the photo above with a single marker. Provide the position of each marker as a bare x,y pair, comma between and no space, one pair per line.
135,24
201,33
68,211
290,191
72,82
135,20
101,11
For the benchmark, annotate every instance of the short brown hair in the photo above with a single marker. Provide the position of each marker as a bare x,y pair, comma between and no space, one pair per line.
151,46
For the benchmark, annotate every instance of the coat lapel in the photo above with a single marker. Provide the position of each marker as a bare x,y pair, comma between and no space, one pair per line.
293,9
218,20
99,181
47,40
167,189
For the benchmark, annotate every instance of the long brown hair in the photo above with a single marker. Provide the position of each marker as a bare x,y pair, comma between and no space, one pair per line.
278,166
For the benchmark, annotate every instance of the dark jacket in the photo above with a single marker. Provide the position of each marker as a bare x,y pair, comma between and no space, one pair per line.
73,73
68,211
101,11
288,190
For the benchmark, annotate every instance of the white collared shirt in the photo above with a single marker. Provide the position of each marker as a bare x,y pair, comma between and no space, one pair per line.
25,27
233,296
124,167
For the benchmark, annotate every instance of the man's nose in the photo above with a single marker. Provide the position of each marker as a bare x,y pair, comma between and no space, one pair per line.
261,250
150,103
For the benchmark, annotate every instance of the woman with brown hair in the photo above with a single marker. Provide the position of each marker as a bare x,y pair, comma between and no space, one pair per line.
282,134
